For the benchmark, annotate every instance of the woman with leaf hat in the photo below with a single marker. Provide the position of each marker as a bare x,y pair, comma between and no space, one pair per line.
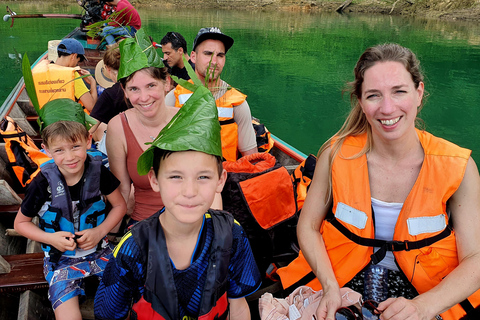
144,80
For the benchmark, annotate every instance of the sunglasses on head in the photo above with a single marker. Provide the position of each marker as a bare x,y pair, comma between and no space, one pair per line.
369,311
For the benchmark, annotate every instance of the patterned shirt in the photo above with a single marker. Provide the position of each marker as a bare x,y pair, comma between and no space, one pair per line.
125,275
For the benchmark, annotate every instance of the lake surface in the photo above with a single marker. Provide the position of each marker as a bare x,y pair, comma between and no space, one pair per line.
293,66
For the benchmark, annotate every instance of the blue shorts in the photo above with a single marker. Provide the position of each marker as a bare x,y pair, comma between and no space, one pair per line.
65,279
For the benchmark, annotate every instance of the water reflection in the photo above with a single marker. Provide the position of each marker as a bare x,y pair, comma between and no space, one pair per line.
293,65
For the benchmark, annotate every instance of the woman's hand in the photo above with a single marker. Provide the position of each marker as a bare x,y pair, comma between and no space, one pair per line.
330,303
401,308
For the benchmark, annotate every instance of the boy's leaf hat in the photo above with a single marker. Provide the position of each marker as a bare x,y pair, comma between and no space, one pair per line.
66,110
194,127
56,109
137,53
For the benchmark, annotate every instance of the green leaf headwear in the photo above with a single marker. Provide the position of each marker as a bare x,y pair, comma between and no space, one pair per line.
137,53
64,109
194,127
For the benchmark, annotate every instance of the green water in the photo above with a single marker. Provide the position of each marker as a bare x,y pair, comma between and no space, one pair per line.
293,66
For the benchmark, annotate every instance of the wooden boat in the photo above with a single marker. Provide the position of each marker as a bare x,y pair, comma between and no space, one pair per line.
22,285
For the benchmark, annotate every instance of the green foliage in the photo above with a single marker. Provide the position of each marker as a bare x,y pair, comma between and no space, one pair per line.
137,53
29,84
194,127
63,109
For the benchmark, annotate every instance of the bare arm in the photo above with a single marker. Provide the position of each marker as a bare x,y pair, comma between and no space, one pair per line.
61,240
88,99
117,154
465,278
239,309
311,242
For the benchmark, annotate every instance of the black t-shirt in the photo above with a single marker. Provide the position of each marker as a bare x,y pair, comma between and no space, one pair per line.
182,73
37,191
110,103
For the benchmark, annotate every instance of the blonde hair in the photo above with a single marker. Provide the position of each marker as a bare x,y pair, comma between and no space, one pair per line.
67,130
356,122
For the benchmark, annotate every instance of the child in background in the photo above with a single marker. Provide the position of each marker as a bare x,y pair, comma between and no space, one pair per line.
187,261
67,195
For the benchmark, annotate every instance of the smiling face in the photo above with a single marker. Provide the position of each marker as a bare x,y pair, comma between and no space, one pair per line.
171,56
390,100
69,156
209,52
187,182
145,93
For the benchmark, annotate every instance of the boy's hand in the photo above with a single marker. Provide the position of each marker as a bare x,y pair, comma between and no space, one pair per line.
88,238
63,241
90,80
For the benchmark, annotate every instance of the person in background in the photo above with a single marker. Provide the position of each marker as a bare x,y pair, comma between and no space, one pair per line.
72,235
392,211
174,48
209,54
112,100
127,22
53,80
187,261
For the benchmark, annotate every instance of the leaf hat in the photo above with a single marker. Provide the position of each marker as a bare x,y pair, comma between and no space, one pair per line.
194,127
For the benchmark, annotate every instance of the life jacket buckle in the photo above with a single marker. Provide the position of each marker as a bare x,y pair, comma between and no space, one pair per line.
400,245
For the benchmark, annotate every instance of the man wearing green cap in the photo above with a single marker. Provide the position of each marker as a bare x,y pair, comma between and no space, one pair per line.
187,261
209,54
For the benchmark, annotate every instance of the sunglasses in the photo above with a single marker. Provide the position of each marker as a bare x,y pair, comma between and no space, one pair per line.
369,311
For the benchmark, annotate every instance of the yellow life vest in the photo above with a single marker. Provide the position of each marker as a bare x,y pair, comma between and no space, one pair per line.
225,105
53,82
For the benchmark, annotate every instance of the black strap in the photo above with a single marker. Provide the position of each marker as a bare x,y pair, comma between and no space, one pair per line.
302,282
13,135
225,122
388,245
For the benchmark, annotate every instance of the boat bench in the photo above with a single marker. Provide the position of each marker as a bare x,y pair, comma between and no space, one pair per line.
26,273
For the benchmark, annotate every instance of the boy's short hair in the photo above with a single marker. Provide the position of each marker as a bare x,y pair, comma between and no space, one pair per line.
160,154
68,130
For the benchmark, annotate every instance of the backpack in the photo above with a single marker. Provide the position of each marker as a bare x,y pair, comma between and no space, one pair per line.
302,177
260,196
23,155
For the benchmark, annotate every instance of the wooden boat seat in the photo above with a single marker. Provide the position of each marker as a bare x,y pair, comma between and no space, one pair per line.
26,273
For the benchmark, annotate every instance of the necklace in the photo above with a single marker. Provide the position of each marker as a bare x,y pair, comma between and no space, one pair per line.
146,130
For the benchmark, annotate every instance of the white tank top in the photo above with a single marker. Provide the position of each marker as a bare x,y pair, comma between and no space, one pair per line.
386,215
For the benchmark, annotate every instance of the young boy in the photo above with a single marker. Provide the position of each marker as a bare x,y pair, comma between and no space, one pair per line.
187,261
67,195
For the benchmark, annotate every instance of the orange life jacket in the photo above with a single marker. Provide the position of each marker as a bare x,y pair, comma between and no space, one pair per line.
53,82
225,105
423,243
302,177
23,155
264,139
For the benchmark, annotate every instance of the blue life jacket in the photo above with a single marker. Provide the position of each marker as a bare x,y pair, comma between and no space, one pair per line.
91,207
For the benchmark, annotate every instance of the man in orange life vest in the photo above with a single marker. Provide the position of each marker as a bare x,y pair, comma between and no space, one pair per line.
209,54
54,80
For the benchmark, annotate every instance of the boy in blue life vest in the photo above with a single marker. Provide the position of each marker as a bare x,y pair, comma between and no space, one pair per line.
67,195
187,261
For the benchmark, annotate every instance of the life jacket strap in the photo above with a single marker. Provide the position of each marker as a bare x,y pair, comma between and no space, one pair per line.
225,122
388,245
